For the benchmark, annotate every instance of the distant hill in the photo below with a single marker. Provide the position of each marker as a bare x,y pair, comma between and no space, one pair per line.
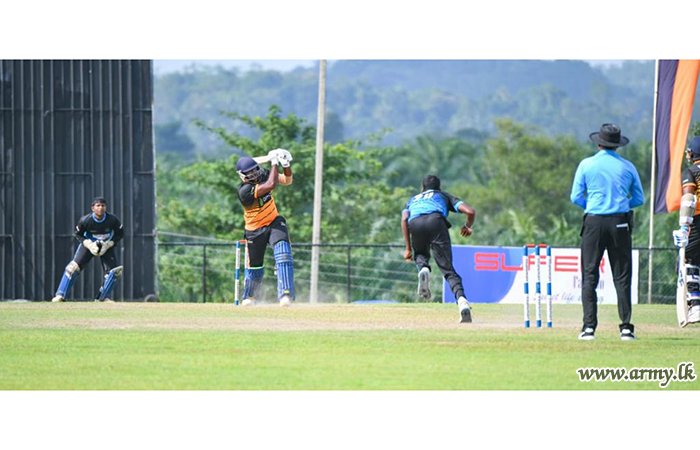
414,98
472,79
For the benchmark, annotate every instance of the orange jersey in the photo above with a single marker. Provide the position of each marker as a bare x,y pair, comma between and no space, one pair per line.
258,211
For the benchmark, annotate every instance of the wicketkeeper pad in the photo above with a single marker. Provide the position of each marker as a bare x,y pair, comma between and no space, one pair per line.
110,281
69,276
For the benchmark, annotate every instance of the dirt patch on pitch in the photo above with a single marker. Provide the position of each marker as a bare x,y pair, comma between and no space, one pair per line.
221,317
299,317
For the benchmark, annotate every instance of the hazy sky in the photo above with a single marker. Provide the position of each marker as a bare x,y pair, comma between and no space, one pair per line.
163,66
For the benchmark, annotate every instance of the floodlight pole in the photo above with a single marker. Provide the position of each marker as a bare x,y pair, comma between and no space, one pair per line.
318,182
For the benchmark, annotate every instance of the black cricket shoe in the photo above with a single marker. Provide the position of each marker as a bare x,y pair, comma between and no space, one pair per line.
587,334
465,312
627,335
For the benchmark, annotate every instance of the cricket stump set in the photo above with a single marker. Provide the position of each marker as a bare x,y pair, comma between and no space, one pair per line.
543,255
236,291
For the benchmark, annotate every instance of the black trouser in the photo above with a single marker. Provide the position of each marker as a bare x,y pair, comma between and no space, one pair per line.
258,240
429,232
611,233
109,260
692,250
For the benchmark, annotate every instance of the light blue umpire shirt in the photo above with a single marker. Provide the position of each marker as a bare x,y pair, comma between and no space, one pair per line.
604,182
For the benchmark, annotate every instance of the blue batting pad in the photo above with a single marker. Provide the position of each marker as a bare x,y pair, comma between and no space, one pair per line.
253,281
285,269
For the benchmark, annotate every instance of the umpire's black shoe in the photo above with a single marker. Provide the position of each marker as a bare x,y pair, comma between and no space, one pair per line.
627,335
587,334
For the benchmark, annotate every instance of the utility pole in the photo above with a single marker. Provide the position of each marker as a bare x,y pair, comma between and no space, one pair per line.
318,182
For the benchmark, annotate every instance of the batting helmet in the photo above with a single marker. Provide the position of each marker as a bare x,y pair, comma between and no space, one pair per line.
249,170
694,146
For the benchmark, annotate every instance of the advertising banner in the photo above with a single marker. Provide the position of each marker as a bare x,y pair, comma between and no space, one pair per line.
495,275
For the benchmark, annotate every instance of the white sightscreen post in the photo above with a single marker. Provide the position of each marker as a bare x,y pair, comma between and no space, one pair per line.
652,190
318,182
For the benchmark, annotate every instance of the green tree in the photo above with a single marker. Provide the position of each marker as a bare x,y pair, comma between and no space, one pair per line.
452,159
694,130
524,195
170,138
358,206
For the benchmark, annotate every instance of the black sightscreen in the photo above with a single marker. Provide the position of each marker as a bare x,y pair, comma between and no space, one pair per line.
70,131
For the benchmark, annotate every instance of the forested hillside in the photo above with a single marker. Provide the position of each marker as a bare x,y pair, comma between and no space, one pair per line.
406,99
518,180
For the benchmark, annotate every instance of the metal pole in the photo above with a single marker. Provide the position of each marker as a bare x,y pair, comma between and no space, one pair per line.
652,191
318,183
204,273
349,279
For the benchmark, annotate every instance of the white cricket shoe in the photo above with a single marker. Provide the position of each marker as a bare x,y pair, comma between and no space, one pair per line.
248,302
424,283
57,298
465,312
285,301
694,314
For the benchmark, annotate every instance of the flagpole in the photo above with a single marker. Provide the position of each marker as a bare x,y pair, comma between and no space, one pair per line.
652,192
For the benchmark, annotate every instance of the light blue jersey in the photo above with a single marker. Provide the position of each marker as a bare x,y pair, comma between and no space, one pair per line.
431,201
606,183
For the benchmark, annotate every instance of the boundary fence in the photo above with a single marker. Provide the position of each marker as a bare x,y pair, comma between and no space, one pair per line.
204,272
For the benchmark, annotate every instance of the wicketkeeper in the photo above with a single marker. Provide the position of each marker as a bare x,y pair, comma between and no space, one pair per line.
687,235
425,228
97,234
264,226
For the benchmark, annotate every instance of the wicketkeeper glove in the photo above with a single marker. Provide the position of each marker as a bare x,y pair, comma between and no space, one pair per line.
106,246
92,246
680,236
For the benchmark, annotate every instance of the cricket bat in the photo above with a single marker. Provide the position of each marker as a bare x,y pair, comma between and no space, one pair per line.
262,159
682,290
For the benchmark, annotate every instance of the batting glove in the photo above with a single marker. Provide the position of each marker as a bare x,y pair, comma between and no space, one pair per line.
680,236
282,153
284,161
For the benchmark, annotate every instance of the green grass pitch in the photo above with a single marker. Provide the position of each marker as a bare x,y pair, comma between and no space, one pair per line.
136,346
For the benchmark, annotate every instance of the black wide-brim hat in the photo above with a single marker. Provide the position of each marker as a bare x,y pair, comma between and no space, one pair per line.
609,135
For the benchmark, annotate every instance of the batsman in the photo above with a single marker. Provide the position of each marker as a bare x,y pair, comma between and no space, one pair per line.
687,237
263,224
97,234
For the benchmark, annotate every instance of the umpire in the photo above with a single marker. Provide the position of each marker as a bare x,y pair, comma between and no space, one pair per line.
607,186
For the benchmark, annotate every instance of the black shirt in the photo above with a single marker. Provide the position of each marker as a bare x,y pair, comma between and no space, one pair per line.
108,229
